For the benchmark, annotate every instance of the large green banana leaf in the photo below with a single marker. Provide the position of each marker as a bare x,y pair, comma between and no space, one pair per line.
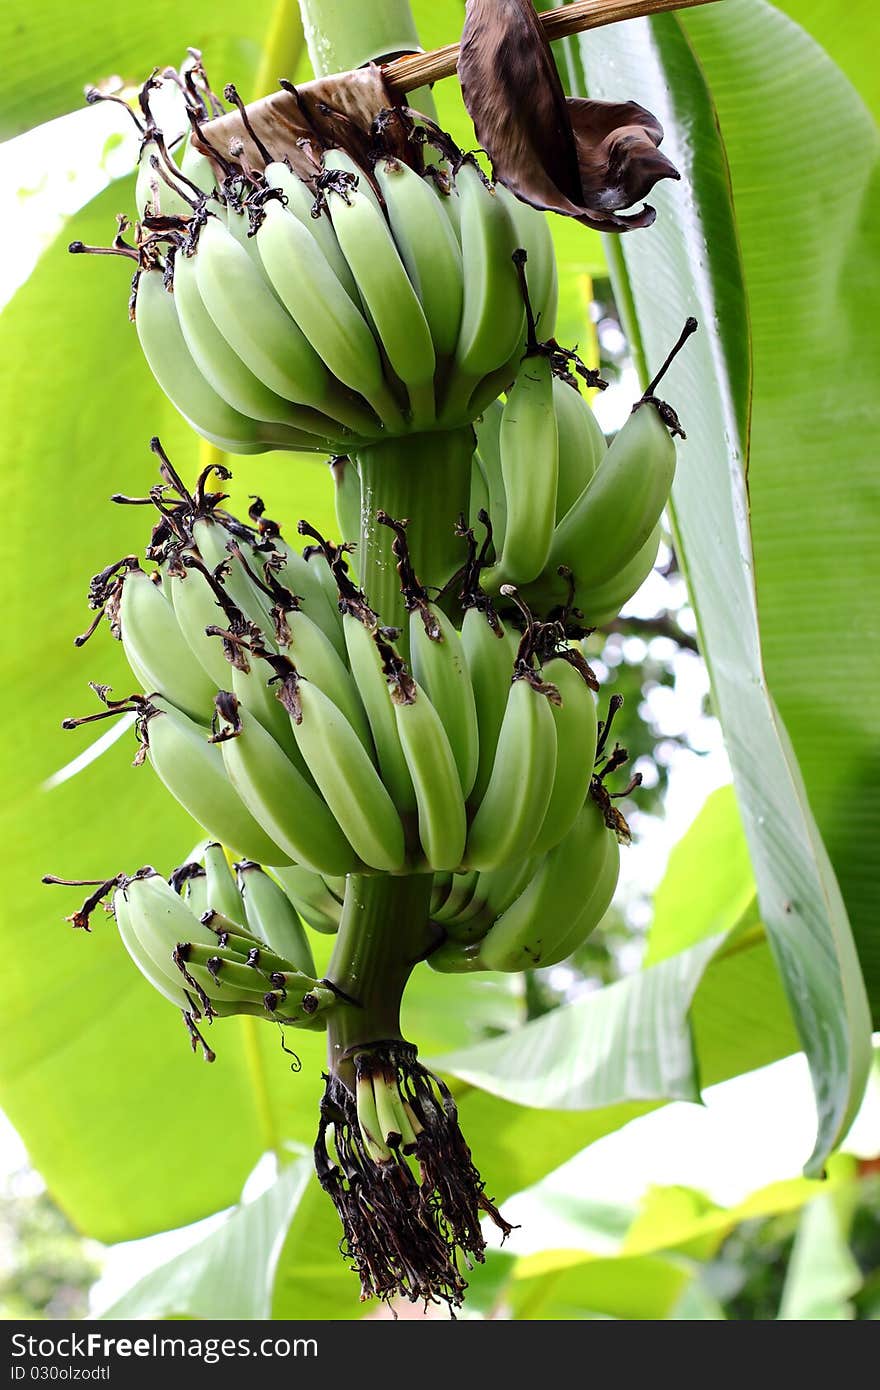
766,241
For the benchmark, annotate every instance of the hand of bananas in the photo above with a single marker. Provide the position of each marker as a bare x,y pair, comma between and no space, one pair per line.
305,734
333,304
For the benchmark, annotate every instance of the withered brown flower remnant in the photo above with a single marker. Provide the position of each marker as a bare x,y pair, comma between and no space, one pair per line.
584,159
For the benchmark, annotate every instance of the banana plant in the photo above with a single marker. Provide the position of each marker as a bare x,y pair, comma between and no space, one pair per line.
428,735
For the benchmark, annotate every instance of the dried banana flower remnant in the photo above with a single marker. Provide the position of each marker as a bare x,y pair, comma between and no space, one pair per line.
585,159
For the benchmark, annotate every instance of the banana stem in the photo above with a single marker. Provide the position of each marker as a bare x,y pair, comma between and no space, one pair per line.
283,48
383,934
424,478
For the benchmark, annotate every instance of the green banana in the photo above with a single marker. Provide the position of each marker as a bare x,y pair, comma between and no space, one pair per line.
495,890
156,191
428,247
302,203
612,520
529,445
156,650
272,918
311,897
435,777
596,905
488,431
195,893
576,734
221,367
526,935
316,659
365,661
263,335
193,771
347,496
160,979
280,798
173,366
489,652
520,786
581,444
602,603
196,608
440,667
221,889
458,899
493,314
389,298
310,291
533,235
348,781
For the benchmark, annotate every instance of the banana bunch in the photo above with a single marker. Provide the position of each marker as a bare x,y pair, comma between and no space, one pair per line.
309,737
214,944
573,521
329,311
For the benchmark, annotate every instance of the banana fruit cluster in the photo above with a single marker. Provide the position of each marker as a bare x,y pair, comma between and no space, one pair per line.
216,944
303,734
573,521
329,311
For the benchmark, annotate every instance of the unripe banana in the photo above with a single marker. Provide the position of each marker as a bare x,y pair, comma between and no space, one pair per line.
601,604
263,335
195,893
365,661
516,799
534,236
197,167
526,936
221,889
308,288
440,667
156,650
529,444
194,773
161,921
576,733
221,367
495,890
316,659
172,364
617,511
212,540
428,247
581,444
479,495
279,797
313,582
302,203
160,979
595,906
196,608
311,897
390,299
272,918
435,777
348,781
156,191
488,431
458,899
489,652
347,497
493,315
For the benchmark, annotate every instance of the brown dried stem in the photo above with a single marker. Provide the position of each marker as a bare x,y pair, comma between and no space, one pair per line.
419,69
